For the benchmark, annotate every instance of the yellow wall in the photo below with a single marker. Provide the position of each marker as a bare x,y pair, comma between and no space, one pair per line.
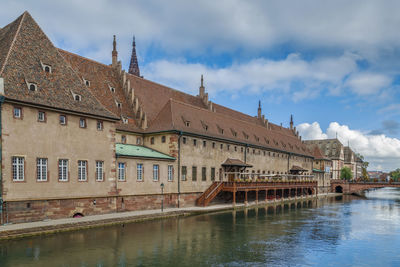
32,139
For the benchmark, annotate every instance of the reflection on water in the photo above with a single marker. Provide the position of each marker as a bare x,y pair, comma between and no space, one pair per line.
337,231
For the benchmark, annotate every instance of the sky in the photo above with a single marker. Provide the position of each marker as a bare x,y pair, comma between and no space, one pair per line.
334,65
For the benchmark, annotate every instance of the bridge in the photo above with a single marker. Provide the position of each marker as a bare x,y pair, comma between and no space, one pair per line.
341,186
268,190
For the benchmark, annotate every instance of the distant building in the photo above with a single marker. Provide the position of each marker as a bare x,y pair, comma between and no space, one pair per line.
333,150
322,169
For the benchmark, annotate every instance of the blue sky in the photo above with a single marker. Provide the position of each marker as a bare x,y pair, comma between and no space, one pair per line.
334,65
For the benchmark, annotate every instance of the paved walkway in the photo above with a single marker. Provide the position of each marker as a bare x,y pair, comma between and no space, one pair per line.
48,226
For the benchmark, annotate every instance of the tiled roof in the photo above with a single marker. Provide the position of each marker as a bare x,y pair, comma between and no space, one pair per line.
27,48
102,79
140,152
348,154
180,116
316,152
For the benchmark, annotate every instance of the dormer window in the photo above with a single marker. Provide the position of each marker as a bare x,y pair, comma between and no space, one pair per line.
112,89
246,136
220,130
87,82
256,137
32,87
125,120
205,126
76,96
186,122
233,132
45,67
119,105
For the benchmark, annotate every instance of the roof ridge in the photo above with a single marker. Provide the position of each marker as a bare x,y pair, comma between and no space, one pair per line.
226,116
13,41
82,57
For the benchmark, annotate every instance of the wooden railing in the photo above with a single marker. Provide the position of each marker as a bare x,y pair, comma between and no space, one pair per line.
200,200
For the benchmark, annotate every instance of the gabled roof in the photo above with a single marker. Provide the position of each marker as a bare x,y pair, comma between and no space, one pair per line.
317,152
102,79
26,48
187,118
140,152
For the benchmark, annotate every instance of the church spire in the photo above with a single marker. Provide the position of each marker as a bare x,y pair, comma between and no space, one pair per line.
291,122
259,109
134,65
114,53
202,90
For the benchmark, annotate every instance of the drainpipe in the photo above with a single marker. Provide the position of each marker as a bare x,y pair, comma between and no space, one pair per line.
245,153
288,163
1,149
179,168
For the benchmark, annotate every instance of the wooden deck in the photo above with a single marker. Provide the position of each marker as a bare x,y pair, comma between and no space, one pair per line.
273,190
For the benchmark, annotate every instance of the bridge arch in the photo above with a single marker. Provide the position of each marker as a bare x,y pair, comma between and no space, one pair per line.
339,189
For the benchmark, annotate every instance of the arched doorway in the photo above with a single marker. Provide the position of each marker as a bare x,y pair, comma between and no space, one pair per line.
338,189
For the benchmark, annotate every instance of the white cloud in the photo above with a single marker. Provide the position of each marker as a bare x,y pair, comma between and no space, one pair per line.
368,83
379,150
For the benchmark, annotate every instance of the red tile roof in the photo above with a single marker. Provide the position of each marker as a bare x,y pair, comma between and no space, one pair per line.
25,54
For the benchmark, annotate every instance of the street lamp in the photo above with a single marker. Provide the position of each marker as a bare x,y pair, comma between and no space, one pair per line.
162,196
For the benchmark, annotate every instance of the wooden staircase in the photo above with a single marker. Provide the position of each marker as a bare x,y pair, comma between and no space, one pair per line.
210,194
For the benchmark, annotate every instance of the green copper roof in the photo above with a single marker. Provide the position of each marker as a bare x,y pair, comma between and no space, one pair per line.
317,170
140,152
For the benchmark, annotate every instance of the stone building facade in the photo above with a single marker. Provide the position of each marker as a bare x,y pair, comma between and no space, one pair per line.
80,137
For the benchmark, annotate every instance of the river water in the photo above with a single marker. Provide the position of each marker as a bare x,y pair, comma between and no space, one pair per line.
338,231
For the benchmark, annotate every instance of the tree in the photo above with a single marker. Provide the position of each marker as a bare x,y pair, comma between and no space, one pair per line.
345,173
364,174
395,175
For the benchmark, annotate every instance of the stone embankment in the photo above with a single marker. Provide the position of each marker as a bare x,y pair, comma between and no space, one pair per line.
20,230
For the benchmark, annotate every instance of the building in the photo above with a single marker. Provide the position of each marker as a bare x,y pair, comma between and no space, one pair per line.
332,149
322,169
350,161
80,137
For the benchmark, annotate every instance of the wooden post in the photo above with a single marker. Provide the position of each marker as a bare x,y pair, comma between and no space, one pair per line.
266,195
256,196
245,197
275,194
234,197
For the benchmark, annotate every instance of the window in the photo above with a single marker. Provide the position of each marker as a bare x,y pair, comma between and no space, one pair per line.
138,140
204,143
32,87
222,146
63,170
125,120
187,123
184,140
235,148
18,168
99,126
213,144
163,139
82,170
194,142
112,89
17,113
152,140
123,139
212,174
121,171
41,169
41,116
184,173
99,170
204,174
170,173
63,120
87,82
155,172
139,170
47,68
194,173
227,147
77,98
82,123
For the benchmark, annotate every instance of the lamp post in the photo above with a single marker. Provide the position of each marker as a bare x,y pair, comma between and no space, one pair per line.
162,196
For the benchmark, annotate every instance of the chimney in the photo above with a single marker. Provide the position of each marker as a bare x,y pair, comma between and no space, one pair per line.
114,54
